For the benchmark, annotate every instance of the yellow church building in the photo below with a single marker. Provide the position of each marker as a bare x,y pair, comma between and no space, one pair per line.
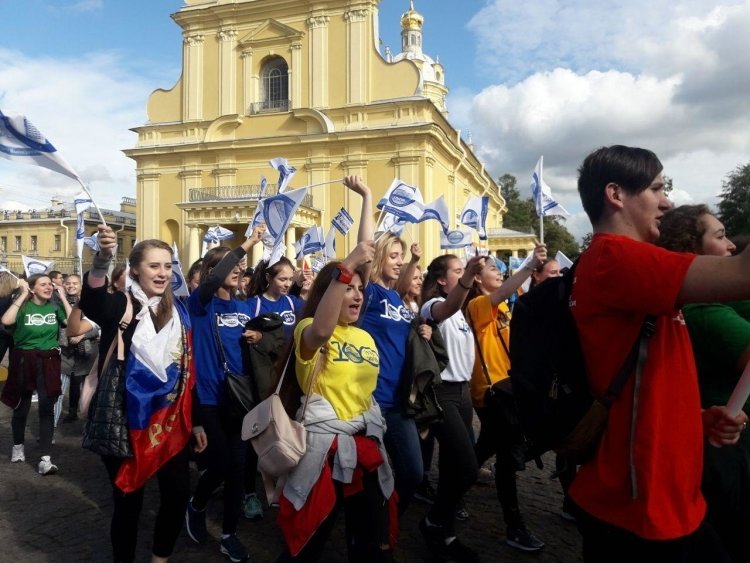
305,81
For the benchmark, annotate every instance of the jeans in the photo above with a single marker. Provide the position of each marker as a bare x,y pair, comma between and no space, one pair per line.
225,463
457,463
402,444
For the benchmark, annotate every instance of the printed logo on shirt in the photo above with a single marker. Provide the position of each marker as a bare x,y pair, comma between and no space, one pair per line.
463,326
37,319
288,317
233,320
400,313
347,352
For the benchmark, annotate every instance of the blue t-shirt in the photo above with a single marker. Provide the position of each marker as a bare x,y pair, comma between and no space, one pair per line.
387,320
288,307
230,316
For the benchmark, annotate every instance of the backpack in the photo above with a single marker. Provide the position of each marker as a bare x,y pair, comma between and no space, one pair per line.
556,407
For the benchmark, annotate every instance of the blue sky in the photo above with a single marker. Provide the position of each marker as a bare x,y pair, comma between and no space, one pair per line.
552,77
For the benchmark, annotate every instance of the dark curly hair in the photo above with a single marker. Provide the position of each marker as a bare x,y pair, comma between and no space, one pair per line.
682,228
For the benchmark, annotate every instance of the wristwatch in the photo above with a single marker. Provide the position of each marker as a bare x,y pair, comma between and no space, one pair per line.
342,274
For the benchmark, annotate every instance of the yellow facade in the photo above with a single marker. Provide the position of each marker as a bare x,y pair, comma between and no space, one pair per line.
303,80
50,235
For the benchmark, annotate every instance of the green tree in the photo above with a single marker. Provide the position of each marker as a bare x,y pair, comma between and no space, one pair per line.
517,215
734,204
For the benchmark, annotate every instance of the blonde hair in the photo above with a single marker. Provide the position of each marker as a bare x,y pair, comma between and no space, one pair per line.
7,284
382,246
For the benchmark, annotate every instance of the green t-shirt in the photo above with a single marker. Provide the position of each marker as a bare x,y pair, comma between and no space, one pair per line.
38,326
719,334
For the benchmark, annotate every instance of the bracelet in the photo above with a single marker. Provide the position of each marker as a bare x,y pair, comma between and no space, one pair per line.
462,285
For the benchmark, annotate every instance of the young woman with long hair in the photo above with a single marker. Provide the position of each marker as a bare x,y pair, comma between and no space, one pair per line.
489,320
218,325
157,336
34,362
345,426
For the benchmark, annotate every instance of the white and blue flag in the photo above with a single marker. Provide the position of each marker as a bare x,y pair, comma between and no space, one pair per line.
330,246
20,141
437,210
217,234
391,223
312,241
474,214
542,194
179,284
262,188
277,212
342,221
286,173
34,266
563,260
403,201
459,238
92,242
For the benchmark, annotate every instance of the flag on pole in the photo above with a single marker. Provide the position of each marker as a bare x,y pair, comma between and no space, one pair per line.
92,242
403,201
391,223
179,285
330,244
33,266
474,214
276,253
277,212
286,173
20,141
542,194
82,202
312,241
262,188
437,210
563,260
342,221
458,238
217,234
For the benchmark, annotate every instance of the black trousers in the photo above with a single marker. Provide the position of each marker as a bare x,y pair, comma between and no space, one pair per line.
174,492
46,408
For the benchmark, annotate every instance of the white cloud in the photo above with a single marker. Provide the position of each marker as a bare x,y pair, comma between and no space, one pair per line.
672,78
85,107
86,6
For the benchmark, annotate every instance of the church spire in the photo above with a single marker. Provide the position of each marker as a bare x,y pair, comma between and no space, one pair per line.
411,31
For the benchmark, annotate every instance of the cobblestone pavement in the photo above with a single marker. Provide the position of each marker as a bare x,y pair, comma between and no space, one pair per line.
65,517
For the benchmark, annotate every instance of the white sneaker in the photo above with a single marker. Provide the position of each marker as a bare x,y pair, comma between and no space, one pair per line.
34,397
17,454
46,467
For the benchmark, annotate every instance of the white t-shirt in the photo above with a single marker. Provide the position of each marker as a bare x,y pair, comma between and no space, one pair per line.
459,342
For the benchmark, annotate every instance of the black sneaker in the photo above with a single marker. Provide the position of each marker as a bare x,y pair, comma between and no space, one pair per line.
522,539
232,547
454,551
425,492
195,523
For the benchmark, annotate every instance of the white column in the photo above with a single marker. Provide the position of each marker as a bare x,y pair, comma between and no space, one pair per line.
227,72
357,56
290,237
295,75
194,247
192,68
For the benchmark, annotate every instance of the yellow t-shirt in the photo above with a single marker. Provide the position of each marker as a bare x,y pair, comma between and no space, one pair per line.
349,373
486,321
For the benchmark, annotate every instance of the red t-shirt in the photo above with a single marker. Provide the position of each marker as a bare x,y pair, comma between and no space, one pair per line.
618,282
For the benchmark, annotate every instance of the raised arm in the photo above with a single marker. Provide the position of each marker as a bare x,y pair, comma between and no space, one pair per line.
404,279
716,279
441,310
515,281
327,313
9,317
366,224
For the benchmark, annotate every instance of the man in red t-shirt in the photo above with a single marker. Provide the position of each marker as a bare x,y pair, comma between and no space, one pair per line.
640,495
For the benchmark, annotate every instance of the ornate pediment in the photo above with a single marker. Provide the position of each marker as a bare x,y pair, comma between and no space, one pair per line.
270,32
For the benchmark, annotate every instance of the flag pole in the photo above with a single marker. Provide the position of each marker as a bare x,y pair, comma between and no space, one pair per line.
324,183
541,229
88,193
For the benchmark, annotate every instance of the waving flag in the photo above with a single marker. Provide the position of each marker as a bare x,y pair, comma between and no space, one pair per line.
33,266
82,202
262,188
179,285
276,253
459,238
403,201
286,173
391,223
542,194
92,242
217,233
474,214
330,246
311,242
277,212
158,401
563,260
342,221
437,210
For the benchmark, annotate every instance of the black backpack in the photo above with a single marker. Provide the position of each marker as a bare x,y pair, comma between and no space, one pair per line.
548,372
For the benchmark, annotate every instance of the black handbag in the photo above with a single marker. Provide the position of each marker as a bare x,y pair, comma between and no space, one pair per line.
239,393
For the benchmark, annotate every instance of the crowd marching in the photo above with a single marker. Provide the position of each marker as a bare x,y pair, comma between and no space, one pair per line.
351,349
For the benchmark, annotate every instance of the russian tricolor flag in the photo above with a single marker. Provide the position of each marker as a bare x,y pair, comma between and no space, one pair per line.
159,412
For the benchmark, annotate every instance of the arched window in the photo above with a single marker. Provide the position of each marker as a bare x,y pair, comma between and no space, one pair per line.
275,84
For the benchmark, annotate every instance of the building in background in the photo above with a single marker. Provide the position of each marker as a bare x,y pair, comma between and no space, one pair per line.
303,80
50,234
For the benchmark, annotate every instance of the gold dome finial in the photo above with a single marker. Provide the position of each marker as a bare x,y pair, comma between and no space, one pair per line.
411,19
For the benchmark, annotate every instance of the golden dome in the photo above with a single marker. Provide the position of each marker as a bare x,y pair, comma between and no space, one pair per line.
411,19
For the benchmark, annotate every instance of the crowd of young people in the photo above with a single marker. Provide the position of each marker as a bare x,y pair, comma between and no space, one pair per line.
348,334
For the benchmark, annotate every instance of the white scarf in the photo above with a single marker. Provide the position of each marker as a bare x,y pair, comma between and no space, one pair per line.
156,350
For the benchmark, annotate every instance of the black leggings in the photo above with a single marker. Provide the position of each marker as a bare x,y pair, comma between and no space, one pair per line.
224,460
457,464
46,415
174,491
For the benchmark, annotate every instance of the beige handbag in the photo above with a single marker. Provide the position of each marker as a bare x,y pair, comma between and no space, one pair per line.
278,440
